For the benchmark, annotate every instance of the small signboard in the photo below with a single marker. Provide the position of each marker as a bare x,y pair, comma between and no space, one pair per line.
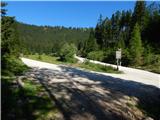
118,54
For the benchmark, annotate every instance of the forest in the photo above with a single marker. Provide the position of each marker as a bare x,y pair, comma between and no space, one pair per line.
47,39
135,32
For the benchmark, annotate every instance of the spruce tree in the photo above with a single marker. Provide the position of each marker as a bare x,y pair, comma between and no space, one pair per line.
139,14
91,44
10,45
99,32
121,43
136,46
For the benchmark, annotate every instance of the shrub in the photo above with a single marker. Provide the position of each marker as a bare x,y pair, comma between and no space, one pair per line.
13,66
39,57
109,56
96,55
126,58
97,67
67,53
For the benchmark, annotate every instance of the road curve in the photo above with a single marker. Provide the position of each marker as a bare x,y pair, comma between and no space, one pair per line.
133,74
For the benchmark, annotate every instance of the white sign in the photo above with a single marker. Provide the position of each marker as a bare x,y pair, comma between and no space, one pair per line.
118,54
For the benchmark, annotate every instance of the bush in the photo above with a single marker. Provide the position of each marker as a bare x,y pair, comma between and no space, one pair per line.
13,66
39,57
67,53
109,56
153,65
96,55
126,58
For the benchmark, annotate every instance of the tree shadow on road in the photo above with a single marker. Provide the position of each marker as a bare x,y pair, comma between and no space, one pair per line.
82,95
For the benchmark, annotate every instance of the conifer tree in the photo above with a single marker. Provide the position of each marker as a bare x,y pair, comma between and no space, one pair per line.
91,44
136,46
139,14
99,32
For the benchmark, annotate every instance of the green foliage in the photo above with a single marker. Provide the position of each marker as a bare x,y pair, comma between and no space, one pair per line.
136,46
97,67
10,43
109,56
147,55
10,47
126,57
121,43
13,66
39,57
99,31
96,55
154,63
139,14
152,31
91,44
45,58
30,102
67,52
48,39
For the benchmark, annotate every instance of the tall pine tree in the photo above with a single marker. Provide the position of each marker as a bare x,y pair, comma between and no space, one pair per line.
99,32
139,14
136,48
91,44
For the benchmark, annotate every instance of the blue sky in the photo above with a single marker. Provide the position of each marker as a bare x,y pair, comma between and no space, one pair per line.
73,13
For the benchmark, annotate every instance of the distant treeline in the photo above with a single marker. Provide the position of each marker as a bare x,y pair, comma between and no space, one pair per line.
47,39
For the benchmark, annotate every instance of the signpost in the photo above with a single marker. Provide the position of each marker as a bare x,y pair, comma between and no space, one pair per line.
118,57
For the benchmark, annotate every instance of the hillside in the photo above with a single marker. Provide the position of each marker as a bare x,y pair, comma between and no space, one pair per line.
47,39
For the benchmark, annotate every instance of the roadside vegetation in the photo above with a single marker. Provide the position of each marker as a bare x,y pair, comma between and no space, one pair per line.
45,58
97,67
38,102
30,102
87,65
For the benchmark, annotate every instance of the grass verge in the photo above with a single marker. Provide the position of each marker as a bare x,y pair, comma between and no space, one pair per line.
39,103
152,68
98,67
29,103
87,65
45,58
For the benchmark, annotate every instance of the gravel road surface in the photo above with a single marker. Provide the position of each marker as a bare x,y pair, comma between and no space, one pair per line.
87,95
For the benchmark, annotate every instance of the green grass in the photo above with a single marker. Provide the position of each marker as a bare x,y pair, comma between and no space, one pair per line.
98,67
13,66
30,103
152,68
11,106
45,58
86,65
39,102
